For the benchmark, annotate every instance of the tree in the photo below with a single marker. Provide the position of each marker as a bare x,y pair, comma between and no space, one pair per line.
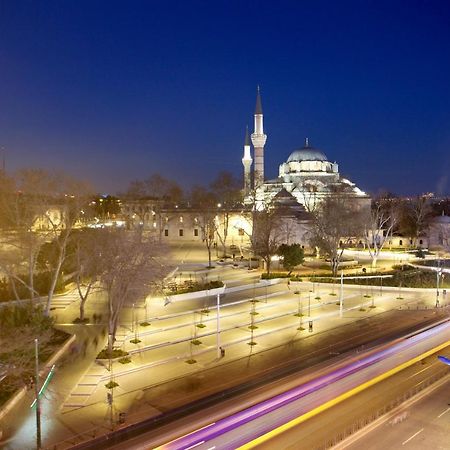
130,264
86,261
205,203
227,192
336,221
379,226
40,207
19,326
266,237
415,215
157,187
293,255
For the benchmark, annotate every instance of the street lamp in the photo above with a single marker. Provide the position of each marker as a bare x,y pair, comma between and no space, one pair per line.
36,391
219,349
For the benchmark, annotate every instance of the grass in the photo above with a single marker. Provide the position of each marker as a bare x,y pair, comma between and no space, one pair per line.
200,325
254,313
300,329
251,343
191,361
111,385
135,341
145,324
252,327
196,342
299,315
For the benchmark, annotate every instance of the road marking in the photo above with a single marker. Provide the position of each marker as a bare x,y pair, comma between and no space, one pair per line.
195,445
442,413
420,371
412,437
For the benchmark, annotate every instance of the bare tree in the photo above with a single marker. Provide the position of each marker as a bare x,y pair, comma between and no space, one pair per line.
379,226
205,203
336,222
266,235
40,207
130,264
228,196
414,216
88,247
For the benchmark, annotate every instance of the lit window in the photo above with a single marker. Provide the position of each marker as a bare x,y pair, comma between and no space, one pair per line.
181,219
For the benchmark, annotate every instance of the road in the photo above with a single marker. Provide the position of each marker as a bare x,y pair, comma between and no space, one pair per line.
242,427
426,424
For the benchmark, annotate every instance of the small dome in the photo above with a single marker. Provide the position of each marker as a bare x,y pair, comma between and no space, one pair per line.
307,153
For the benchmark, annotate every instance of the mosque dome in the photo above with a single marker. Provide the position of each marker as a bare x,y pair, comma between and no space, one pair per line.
307,153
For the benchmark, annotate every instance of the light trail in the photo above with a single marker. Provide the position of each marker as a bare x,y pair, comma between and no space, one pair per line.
242,417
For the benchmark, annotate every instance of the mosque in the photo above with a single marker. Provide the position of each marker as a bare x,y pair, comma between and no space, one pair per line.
307,175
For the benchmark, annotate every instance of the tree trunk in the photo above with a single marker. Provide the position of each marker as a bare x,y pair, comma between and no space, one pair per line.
374,261
209,256
51,291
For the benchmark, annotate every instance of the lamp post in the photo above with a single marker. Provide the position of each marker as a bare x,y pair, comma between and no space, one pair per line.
438,275
341,296
219,350
36,391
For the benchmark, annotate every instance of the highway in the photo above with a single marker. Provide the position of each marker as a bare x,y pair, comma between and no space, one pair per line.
426,424
304,401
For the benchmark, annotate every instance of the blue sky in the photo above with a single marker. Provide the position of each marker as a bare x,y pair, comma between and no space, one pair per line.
114,91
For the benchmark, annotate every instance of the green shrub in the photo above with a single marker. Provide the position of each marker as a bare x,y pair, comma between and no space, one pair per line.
125,360
192,286
79,321
272,275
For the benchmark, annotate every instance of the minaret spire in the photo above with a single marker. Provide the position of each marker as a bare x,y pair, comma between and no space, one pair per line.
259,140
247,163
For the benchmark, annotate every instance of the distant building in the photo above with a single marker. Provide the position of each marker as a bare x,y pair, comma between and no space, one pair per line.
307,174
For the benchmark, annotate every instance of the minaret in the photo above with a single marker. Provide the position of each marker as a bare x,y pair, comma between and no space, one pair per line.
259,140
247,163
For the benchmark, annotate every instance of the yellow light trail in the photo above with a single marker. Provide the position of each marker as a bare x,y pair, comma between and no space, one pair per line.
304,417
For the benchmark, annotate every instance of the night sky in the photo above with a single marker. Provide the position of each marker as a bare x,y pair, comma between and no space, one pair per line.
115,91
